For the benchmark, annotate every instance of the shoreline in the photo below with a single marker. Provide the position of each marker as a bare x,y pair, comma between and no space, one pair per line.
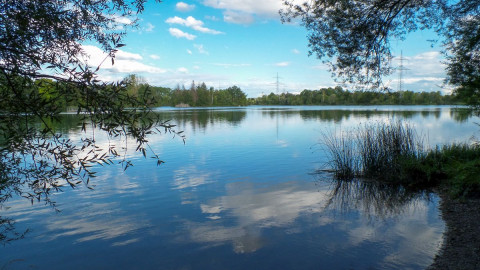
461,244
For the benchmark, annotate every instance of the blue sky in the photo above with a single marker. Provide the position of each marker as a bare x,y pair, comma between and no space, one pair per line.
243,43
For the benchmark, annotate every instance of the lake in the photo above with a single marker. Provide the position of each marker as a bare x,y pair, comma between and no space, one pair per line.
243,192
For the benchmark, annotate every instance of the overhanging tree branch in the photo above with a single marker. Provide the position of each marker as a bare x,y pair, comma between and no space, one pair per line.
352,37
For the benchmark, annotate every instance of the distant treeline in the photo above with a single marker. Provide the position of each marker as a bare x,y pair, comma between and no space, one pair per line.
199,95
338,96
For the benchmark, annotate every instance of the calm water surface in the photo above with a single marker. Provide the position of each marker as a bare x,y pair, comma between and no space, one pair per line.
240,194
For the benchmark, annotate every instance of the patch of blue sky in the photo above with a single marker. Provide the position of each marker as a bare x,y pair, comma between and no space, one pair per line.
243,43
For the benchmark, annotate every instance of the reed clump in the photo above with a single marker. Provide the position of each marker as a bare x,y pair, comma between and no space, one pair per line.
394,153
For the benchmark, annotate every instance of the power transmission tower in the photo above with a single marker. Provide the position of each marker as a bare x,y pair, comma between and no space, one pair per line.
401,68
277,85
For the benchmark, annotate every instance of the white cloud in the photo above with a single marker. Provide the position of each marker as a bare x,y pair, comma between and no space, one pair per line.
253,211
295,51
426,63
182,70
254,86
180,34
125,62
149,27
154,56
134,67
427,55
190,177
123,55
94,55
321,67
211,18
184,7
173,79
422,72
267,8
88,225
238,17
282,64
193,23
119,22
189,52
200,48
422,79
225,65
243,11
122,20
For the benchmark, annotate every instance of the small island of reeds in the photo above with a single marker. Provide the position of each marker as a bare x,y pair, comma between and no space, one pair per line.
394,153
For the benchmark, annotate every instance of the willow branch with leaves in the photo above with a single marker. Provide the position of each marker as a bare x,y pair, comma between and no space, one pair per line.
41,66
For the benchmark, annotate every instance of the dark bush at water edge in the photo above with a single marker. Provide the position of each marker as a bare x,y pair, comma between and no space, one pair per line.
394,153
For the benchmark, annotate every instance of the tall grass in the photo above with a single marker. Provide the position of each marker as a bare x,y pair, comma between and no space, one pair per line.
373,151
394,153
383,147
342,150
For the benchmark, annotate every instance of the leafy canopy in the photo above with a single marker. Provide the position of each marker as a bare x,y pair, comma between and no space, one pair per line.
41,36
353,37
42,71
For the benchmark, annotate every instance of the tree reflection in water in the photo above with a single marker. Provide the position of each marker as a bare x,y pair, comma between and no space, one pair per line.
375,199
8,232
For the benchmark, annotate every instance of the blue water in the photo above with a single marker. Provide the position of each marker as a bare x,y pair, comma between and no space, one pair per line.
241,193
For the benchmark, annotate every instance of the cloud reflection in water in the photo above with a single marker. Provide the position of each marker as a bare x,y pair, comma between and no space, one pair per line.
401,224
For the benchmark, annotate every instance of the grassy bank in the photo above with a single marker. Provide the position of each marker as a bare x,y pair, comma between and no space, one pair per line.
395,153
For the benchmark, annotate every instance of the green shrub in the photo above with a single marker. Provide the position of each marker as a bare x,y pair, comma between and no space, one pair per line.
394,153
459,167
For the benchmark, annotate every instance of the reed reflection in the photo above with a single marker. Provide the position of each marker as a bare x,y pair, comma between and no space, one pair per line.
374,198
